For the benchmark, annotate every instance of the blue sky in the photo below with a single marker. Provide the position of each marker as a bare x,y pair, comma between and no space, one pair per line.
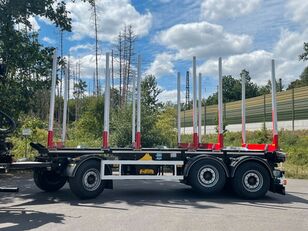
245,33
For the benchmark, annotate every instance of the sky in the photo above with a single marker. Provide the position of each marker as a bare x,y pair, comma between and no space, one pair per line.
247,34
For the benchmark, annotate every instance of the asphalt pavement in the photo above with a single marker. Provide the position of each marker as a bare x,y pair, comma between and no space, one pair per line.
149,205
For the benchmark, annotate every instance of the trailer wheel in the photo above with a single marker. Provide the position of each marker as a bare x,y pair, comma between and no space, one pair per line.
251,180
87,183
207,176
49,181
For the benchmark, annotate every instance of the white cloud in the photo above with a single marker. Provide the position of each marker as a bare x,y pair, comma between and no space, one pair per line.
87,65
290,44
286,51
202,39
216,9
289,70
45,20
256,62
49,40
297,10
171,96
113,15
35,26
162,65
84,47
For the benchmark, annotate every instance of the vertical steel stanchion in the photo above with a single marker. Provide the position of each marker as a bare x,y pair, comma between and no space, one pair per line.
65,85
179,106
243,109
264,111
50,142
195,134
204,113
220,105
274,107
134,110
199,108
293,110
106,105
138,133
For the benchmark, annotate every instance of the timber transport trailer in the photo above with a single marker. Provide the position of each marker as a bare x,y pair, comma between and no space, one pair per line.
206,167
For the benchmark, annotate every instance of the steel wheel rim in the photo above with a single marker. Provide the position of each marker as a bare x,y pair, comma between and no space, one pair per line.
91,179
208,176
252,181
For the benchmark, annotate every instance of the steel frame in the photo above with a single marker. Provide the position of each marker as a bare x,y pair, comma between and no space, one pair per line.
120,163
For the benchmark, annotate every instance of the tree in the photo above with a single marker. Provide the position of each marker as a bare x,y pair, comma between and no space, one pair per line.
125,54
93,4
150,93
304,56
302,81
252,89
165,126
79,89
26,76
303,78
25,62
231,89
266,89
121,120
14,12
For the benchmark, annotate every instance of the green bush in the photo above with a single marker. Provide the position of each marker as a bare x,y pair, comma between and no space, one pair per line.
21,143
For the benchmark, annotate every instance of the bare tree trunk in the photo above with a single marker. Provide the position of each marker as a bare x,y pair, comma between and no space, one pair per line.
112,71
120,71
125,64
125,53
96,47
131,39
94,84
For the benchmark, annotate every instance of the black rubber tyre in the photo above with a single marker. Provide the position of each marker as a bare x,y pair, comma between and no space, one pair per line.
251,180
207,176
48,181
87,184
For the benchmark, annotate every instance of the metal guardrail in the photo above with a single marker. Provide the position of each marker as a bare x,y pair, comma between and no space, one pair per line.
291,105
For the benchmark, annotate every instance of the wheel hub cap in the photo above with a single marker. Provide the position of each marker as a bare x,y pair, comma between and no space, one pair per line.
91,179
208,176
253,181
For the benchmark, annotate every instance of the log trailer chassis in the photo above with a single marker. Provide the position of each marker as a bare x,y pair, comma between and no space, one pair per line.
206,167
